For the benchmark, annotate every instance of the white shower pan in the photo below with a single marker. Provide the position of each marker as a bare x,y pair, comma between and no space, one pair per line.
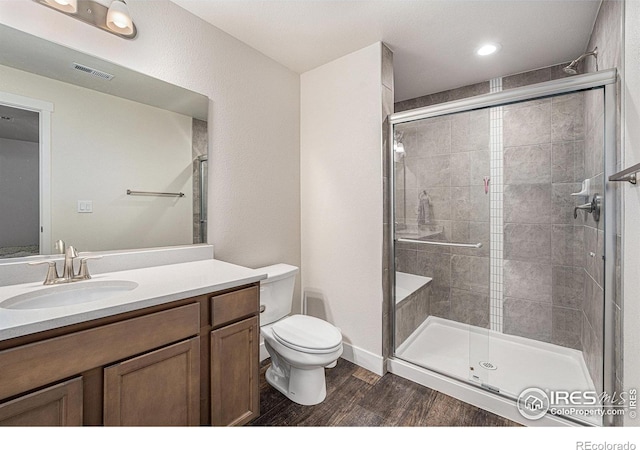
508,364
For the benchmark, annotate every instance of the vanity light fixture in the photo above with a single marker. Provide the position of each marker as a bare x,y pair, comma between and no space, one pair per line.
114,19
488,49
119,19
68,6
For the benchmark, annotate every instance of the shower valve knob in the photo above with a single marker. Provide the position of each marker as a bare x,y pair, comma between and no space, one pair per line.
592,208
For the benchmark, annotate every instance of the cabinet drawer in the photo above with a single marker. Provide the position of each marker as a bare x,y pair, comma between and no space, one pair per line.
40,363
234,305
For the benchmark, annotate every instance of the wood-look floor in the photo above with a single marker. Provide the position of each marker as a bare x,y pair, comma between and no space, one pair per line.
357,397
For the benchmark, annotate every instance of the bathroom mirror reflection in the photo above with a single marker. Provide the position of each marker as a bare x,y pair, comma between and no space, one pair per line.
76,134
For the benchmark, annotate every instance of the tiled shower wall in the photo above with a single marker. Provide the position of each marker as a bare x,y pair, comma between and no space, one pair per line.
593,235
607,36
544,252
543,258
447,159
553,270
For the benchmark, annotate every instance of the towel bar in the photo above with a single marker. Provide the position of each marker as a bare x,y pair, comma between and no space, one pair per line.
161,194
628,174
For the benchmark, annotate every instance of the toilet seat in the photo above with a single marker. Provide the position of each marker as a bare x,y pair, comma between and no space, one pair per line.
307,334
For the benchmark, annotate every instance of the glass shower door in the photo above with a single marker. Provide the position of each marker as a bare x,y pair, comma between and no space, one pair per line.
500,240
442,185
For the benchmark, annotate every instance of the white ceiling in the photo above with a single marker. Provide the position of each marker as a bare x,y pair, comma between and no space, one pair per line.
433,41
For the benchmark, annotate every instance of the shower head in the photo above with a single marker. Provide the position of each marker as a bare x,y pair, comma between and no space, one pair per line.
572,68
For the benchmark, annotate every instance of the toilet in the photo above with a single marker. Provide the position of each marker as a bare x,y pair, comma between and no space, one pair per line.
300,346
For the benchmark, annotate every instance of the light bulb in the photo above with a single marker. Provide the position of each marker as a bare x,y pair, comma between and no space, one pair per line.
68,6
119,19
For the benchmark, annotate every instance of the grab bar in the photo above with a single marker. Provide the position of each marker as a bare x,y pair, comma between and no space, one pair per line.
162,194
628,174
444,244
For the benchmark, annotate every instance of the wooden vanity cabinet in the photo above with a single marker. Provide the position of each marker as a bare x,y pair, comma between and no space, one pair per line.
162,365
58,405
158,388
235,393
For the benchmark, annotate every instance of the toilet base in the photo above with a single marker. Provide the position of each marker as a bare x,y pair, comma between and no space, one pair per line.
305,387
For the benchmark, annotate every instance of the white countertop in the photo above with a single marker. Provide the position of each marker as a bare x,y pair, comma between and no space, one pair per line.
156,286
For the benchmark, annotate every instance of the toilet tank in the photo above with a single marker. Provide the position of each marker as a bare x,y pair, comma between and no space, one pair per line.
276,292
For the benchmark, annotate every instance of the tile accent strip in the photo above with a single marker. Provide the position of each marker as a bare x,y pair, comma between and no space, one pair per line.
496,220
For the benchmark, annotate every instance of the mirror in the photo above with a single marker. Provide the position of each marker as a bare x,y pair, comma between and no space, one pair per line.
95,154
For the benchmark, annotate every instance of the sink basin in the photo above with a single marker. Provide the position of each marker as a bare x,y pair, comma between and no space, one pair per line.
68,294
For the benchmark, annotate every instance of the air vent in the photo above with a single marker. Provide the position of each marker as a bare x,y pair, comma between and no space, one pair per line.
93,72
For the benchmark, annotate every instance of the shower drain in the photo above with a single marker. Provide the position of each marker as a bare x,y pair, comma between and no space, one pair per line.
487,365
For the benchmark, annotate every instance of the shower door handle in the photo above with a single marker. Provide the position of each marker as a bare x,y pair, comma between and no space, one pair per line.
443,244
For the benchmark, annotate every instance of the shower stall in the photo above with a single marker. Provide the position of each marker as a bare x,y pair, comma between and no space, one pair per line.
503,243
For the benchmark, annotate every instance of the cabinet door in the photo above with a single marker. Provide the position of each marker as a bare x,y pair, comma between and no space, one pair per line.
235,395
158,388
59,405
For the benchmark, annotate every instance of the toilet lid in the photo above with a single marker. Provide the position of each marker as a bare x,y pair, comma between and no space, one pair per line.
307,333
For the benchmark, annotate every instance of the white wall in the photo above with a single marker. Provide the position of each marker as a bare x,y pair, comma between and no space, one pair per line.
19,193
254,201
631,199
341,191
101,146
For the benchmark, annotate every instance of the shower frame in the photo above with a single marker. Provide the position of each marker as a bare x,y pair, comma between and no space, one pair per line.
464,390
203,162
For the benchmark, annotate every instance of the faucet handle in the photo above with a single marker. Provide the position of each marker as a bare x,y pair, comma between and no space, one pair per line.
83,272
60,246
52,271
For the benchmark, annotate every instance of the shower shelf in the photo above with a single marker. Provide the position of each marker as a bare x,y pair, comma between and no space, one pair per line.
628,174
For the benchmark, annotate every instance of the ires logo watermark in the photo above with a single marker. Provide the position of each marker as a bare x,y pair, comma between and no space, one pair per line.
533,403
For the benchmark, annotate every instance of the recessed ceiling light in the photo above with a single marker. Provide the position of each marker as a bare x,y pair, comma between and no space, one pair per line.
488,49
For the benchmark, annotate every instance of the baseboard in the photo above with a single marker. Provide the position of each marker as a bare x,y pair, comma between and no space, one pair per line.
363,358
356,355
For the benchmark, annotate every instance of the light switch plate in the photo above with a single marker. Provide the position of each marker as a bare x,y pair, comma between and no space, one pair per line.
85,206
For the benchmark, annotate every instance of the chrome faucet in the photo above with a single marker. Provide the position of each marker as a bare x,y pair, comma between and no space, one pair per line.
68,274
60,246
